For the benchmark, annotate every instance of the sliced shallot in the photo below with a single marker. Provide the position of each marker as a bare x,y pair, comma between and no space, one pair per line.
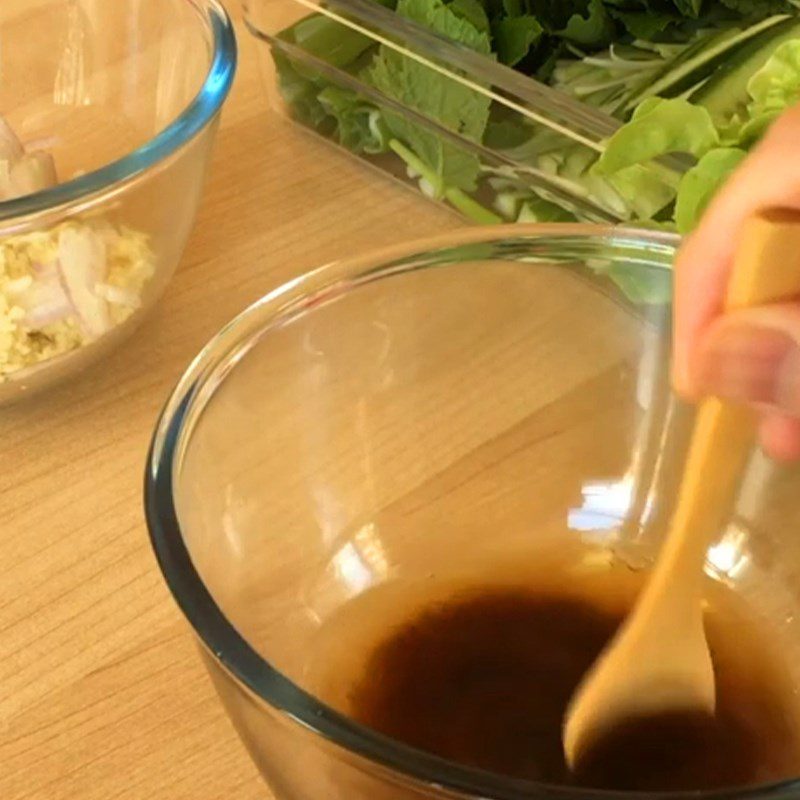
82,261
118,296
45,302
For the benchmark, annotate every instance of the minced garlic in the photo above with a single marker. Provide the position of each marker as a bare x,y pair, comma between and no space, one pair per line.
64,287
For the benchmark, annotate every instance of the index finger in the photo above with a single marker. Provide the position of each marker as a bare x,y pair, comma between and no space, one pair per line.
768,178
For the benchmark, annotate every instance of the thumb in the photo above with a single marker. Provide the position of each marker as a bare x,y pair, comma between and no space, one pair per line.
753,357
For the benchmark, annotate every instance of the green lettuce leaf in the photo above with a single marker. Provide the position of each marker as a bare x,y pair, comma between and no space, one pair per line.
329,40
642,25
556,14
437,16
751,9
776,86
473,12
773,89
537,209
359,125
506,134
514,36
593,28
300,92
657,128
645,189
699,185
301,86
752,130
689,8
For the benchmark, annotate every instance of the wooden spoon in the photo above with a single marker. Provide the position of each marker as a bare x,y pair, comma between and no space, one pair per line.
659,661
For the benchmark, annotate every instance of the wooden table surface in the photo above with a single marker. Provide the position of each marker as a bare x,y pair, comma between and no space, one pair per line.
102,695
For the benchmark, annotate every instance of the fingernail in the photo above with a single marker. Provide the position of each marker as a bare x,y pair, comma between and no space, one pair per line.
750,364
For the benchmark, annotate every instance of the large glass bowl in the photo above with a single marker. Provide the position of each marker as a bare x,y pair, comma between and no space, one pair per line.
400,415
124,97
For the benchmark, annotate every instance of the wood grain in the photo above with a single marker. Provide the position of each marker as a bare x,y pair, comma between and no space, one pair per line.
101,692
102,695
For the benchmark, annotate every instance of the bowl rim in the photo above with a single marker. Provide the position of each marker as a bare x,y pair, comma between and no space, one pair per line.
194,118
219,637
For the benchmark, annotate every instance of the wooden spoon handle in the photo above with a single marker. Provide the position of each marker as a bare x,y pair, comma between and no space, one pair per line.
767,264
766,270
660,659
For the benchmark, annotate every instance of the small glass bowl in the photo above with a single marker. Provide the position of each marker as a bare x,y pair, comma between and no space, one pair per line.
121,99
403,415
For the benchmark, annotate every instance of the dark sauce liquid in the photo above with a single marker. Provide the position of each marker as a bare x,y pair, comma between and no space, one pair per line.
483,677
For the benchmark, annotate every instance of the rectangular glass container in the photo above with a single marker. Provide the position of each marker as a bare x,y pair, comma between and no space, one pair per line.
487,177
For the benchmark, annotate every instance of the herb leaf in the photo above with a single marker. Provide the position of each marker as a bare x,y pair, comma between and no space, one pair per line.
659,127
593,28
451,104
514,36
701,183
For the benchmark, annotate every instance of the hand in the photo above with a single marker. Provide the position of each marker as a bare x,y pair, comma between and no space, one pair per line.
750,356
